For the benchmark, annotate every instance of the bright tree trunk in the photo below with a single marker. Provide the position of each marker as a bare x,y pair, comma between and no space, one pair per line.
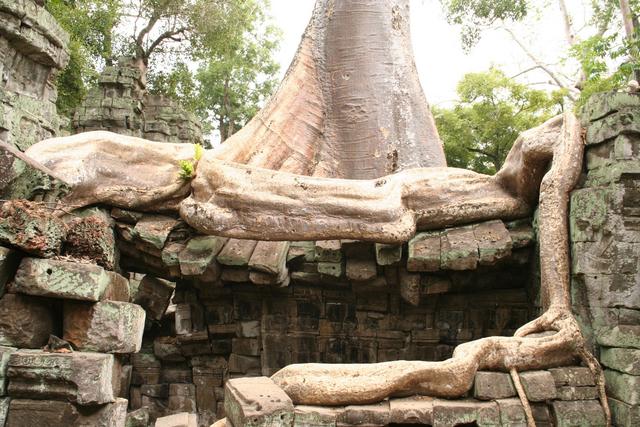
351,104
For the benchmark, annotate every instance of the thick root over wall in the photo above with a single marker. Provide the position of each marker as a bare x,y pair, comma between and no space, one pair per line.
249,202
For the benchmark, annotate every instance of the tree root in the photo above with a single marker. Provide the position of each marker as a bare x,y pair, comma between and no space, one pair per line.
523,397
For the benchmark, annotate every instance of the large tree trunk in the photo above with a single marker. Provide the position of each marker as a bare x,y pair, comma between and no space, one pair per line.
351,104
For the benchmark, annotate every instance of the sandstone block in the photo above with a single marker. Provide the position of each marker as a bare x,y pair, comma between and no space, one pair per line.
626,360
572,376
107,326
622,386
316,416
154,295
493,385
466,411
300,252
237,253
5,352
9,260
199,257
50,413
328,251
182,419
624,414
64,279
90,235
332,269
377,414
578,413
31,228
388,254
246,346
153,231
25,322
539,386
424,252
627,336
567,392
138,418
410,287
512,413
243,364
494,242
82,378
361,269
257,402
182,398
459,249
411,410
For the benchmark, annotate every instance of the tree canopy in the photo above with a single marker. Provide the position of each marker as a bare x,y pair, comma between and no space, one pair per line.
493,109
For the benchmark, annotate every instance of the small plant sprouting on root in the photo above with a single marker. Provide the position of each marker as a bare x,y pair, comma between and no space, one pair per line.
188,167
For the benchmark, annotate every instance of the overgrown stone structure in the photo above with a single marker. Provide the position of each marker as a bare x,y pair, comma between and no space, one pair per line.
116,309
120,103
33,49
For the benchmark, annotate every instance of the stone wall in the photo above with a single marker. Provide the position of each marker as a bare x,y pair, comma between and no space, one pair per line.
121,104
33,48
605,235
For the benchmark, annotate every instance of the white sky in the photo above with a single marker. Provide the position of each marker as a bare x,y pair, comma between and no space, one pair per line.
439,56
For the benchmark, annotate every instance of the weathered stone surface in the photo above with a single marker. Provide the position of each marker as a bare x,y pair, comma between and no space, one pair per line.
182,398
23,412
493,385
377,414
5,352
512,413
4,410
494,242
90,236
328,251
269,257
167,349
361,269
183,419
624,414
424,252
622,386
600,105
332,269
466,411
107,326
572,376
578,413
388,254
253,402
25,322
411,410
237,253
199,257
316,416
154,296
300,252
63,279
410,288
31,228
82,378
568,392
538,385
459,249
153,231
138,418
9,260
625,360
626,336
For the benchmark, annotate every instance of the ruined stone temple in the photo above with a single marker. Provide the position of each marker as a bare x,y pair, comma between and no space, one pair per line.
112,316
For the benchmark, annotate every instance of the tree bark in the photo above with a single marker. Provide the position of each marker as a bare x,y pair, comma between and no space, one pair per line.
351,105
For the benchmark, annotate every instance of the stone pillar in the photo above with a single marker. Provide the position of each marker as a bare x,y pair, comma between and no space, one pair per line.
605,239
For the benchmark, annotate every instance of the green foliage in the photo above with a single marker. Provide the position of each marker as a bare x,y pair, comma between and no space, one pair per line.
199,151
90,24
476,15
187,169
493,109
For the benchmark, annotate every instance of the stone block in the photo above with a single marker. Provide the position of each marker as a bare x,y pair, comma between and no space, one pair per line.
576,376
465,411
578,413
331,269
237,253
63,279
377,414
82,378
198,258
358,249
328,251
25,322
624,414
182,398
138,418
623,121
410,287
257,402
246,346
153,231
106,327
512,413
154,296
269,257
494,242
9,260
626,336
4,410
243,364
90,235
183,419
361,269
411,410
600,105
626,360
539,386
5,352
568,392
316,416
23,412
424,252
388,254
167,349
459,249
31,228
622,386
493,385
